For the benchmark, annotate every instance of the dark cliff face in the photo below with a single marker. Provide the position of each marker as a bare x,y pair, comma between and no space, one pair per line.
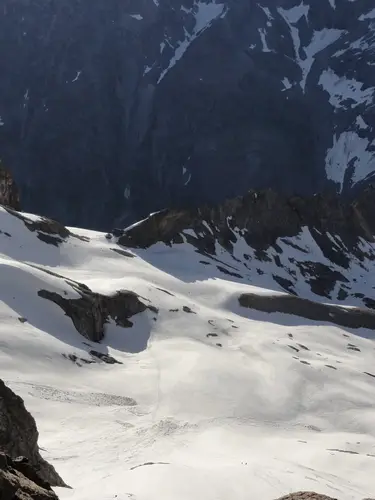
262,218
112,110
8,190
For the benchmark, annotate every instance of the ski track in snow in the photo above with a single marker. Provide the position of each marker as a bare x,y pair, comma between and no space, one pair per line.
218,403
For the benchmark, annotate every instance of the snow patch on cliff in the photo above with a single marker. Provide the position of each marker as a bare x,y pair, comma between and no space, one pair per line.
341,89
262,33
350,150
205,14
319,41
369,15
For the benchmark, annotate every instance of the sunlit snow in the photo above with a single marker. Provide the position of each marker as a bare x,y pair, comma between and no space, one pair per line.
214,404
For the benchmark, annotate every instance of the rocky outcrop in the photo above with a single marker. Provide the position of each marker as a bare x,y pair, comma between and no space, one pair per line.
316,239
47,230
20,481
296,306
262,217
92,311
19,435
8,190
306,495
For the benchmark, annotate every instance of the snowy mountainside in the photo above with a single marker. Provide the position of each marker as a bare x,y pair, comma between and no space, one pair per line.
191,395
319,247
183,102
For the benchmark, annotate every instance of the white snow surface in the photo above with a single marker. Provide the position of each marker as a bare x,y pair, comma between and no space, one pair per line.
204,13
350,148
262,33
250,419
320,39
343,89
369,15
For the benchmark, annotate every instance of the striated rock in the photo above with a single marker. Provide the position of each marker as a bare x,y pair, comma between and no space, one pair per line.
92,311
353,317
8,190
19,480
19,435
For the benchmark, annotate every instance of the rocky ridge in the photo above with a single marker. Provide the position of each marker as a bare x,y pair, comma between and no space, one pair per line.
322,240
263,217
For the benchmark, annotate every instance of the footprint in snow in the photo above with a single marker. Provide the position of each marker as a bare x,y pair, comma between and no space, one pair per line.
303,347
294,348
352,347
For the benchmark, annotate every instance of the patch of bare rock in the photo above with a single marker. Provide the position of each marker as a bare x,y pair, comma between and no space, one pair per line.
353,317
306,495
92,311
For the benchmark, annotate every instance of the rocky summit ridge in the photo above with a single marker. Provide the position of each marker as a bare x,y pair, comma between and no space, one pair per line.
323,241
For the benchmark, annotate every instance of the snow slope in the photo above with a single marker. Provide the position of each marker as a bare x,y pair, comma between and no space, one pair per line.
210,401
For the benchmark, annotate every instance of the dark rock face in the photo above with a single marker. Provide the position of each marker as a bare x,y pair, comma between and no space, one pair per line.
20,481
8,190
296,306
263,217
315,240
92,311
19,436
182,103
